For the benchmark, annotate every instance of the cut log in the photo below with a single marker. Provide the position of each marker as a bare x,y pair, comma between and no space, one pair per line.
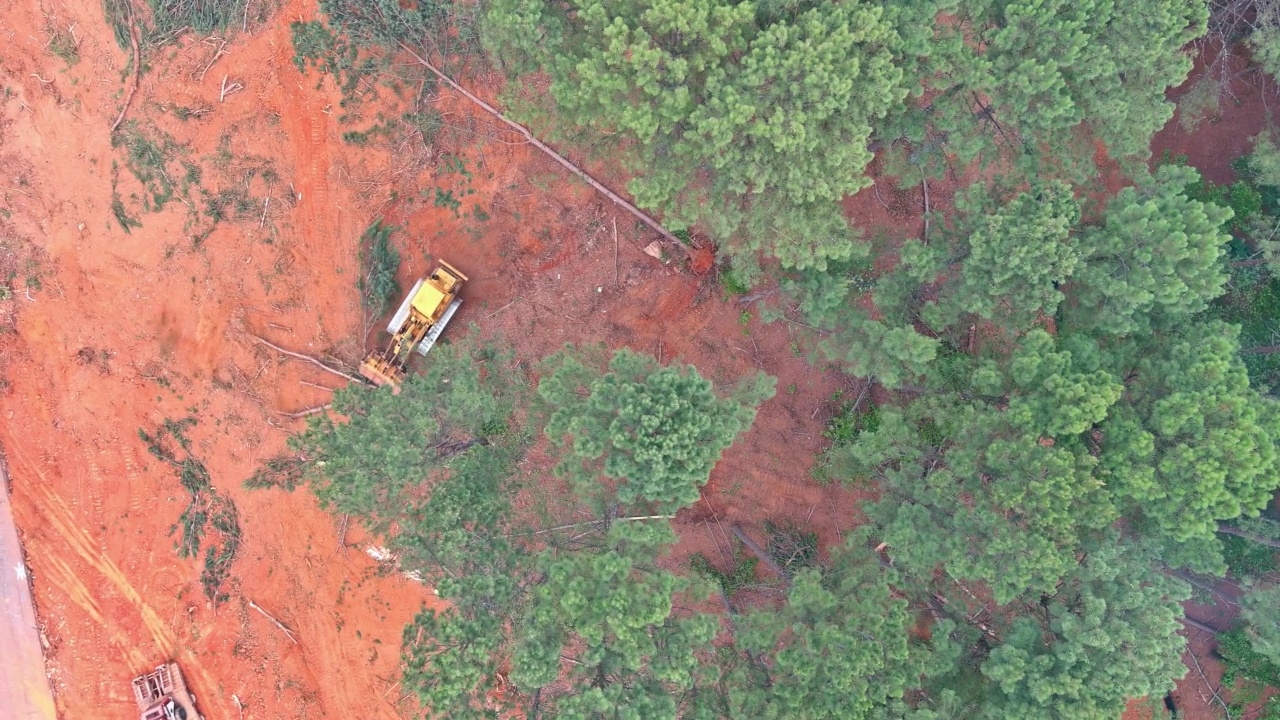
759,552
1260,539
534,141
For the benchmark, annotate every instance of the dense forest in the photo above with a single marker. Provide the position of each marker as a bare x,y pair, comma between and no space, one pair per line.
1069,418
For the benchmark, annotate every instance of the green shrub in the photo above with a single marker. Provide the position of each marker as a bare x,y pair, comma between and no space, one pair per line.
380,263
1242,661
1243,199
742,573
313,46
732,284
207,509
64,46
147,155
429,122
847,424
1246,558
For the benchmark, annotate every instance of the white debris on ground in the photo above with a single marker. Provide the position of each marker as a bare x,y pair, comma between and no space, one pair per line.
384,555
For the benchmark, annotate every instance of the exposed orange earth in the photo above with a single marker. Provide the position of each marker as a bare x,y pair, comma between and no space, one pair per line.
121,331
127,330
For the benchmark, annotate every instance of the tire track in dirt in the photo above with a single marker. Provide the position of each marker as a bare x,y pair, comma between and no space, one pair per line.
64,578
55,513
331,649
324,650
309,132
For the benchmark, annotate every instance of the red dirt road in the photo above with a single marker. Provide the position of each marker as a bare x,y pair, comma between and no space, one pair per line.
24,688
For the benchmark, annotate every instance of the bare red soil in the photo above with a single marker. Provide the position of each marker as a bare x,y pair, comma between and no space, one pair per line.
125,330
122,331
129,329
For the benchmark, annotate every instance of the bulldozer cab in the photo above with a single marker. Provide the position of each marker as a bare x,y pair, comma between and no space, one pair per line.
162,695
416,324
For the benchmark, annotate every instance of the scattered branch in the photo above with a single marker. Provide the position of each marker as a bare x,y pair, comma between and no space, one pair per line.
1200,626
760,553
1208,684
1261,540
228,89
308,358
925,183
278,624
504,307
748,299
596,522
304,413
137,73
222,50
866,390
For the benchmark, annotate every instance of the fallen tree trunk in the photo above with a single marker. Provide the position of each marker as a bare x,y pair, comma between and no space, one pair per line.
760,553
137,72
1200,626
278,624
307,358
617,199
1260,539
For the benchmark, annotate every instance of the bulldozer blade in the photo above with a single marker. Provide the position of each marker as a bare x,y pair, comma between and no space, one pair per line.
402,314
379,372
433,334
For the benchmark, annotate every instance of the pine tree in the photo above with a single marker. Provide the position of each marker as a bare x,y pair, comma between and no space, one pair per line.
1193,443
1261,610
1154,261
1108,635
964,488
611,613
740,118
1022,80
389,444
652,432
838,648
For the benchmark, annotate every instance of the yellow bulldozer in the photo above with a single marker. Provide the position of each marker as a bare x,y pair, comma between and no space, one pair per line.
416,325
162,694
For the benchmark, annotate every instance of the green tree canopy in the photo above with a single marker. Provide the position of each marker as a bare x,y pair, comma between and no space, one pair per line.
1025,77
435,469
733,110
653,431
838,648
611,614
1154,261
1194,443
1001,262
388,444
1107,636
964,488
1261,610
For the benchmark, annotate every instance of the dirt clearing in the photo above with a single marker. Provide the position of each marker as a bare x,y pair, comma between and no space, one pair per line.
109,332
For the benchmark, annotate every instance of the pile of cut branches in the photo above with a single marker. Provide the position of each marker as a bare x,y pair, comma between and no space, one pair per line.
206,510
